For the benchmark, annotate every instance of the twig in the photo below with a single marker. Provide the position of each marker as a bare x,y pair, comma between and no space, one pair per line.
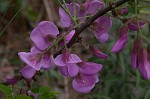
66,88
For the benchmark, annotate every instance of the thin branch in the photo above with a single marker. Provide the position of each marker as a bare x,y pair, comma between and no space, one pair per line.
90,21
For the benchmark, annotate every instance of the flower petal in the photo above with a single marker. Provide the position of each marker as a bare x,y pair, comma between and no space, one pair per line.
64,18
135,52
70,70
71,8
134,26
120,44
144,64
69,36
102,25
38,38
59,60
89,68
78,87
103,37
73,69
12,80
35,50
28,72
48,28
123,11
96,52
46,62
29,59
84,84
74,59
94,6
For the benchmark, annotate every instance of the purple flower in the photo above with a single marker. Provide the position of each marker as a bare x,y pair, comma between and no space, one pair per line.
94,6
101,28
65,18
122,11
83,83
69,36
67,63
81,11
135,52
134,26
96,52
144,64
89,68
28,72
148,52
37,59
70,70
43,34
12,80
123,37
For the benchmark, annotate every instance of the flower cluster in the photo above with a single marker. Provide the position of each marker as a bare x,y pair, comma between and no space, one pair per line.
84,73
123,34
38,58
100,27
44,36
47,38
140,58
70,65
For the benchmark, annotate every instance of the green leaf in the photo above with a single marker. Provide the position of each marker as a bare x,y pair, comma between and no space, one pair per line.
45,96
131,9
145,10
130,2
22,97
4,4
5,89
44,90
35,90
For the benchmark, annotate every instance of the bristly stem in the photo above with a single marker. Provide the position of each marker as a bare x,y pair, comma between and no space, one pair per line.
139,32
74,8
67,11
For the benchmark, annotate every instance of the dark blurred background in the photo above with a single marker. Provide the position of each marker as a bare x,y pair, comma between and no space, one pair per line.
117,80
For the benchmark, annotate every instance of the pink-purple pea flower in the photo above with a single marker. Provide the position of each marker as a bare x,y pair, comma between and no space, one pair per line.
81,11
67,63
94,6
96,52
12,80
144,64
89,68
43,34
122,11
137,45
121,42
28,72
101,28
65,18
36,59
140,58
85,81
133,25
